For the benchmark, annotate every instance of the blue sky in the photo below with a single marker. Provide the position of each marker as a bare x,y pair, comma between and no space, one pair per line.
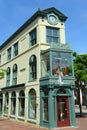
15,13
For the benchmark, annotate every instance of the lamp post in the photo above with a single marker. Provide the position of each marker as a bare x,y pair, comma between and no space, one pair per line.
80,96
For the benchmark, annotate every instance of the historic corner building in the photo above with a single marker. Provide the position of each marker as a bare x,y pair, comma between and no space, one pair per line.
39,81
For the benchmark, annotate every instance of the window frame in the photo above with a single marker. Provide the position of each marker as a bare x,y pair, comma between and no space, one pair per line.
15,49
9,53
6,103
8,76
15,70
32,112
13,99
33,68
21,98
52,35
33,37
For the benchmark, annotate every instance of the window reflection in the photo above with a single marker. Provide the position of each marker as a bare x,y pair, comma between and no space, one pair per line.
33,68
52,35
45,107
32,95
61,63
6,103
1,101
45,63
21,103
13,103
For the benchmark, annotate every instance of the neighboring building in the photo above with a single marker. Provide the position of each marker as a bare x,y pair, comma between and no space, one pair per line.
39,82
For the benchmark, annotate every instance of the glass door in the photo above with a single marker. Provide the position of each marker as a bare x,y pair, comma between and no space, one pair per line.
63,111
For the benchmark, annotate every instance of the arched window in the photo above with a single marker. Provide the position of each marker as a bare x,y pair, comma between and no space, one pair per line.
15,69
33,68
1,102
21,103
32,104
13,103
6,103
61,91
8,76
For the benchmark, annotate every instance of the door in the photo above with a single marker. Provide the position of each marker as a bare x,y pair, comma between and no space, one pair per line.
63,111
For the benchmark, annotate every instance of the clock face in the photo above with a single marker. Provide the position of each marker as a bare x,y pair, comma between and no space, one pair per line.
52,19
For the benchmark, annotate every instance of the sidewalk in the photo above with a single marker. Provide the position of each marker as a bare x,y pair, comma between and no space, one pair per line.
12,125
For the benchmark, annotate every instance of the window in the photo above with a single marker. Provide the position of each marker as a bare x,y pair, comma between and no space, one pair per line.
6,103
21,103
15,49
62,64
52,35
13,103
33,68
8,76
0,59
15,74
45,109
9,54
45,64
33,37
1,102
32,104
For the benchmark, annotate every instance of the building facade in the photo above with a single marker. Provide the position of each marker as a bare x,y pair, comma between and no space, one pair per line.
39,81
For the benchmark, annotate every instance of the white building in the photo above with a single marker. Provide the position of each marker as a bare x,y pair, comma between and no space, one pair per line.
20,55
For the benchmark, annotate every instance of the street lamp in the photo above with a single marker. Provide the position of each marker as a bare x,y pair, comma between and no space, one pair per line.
80,96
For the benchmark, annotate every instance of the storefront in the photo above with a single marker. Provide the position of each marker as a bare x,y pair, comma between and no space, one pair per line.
1,103
56,88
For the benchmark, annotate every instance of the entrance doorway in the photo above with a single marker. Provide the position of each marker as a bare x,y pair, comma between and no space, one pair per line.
63,118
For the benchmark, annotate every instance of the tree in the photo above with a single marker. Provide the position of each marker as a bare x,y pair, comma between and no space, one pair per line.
2,73
80,71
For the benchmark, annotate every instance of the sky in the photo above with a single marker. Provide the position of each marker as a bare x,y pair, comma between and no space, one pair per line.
14,14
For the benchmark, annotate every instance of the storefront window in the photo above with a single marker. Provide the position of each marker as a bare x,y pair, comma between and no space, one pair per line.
62,63
32,104
1,102
21,103
45,109
6,104
13,103
45,64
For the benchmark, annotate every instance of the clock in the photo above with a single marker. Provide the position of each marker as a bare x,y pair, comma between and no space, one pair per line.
52,19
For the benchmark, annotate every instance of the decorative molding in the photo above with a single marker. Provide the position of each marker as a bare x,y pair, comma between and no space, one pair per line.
61,46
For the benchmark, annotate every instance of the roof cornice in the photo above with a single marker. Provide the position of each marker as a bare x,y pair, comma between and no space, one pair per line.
39,13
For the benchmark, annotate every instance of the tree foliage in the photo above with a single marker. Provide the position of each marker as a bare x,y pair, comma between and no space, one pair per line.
2,73
80,67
